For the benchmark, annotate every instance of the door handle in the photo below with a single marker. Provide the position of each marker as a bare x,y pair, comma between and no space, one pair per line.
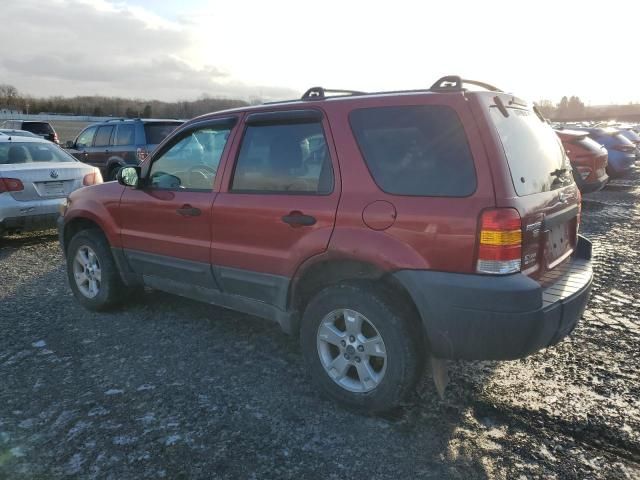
299,219
188,211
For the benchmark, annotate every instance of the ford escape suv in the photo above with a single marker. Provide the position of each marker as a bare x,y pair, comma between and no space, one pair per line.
380,228
115,143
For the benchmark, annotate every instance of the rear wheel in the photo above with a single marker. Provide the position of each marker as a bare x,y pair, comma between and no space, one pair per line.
92,272
361,347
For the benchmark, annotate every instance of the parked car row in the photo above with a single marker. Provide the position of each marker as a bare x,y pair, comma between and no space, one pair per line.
599,151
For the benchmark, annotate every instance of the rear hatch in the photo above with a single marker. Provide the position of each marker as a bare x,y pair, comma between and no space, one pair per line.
541,187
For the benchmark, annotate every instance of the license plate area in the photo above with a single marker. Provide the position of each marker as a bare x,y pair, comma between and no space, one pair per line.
52,189
560,241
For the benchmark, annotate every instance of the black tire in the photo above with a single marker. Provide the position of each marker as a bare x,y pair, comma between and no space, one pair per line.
112,291
398,328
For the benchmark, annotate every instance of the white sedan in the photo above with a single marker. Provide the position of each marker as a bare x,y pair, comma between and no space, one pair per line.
36,176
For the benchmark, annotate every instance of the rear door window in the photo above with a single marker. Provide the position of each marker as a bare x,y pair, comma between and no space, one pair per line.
537,160
125,135
103,137
415,150
287,158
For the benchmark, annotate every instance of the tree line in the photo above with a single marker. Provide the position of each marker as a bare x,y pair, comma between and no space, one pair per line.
96,105
572,108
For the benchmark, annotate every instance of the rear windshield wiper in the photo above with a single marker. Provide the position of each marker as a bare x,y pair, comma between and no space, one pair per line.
558,172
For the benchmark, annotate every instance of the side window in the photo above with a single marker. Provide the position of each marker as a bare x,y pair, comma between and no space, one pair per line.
103,136
192,162
288,158
415,150
85,139
125,135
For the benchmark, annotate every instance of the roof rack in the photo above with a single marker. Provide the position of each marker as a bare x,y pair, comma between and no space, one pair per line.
454,83
319,93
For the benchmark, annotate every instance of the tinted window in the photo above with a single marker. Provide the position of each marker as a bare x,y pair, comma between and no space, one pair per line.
192,162
41,128
85,139
284,158
537,160
103,136
415,150
126,134
157,132
15,152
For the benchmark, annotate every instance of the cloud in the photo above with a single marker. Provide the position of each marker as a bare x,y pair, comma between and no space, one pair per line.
86,47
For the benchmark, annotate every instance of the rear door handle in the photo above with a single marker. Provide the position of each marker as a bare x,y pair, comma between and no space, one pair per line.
188,211
299,219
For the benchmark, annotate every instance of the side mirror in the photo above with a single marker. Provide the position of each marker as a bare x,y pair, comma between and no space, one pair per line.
68,144
129,176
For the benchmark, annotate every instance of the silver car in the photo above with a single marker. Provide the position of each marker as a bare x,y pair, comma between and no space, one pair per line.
36,176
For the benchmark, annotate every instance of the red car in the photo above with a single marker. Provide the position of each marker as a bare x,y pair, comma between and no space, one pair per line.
588,160
379,228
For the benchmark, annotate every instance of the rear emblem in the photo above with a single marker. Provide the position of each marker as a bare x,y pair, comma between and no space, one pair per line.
53,174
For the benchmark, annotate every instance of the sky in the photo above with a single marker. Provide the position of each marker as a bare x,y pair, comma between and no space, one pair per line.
181,50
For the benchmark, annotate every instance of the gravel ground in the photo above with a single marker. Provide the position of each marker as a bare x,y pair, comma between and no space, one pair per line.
171,388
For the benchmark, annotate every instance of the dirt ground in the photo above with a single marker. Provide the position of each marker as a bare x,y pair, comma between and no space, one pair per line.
169,388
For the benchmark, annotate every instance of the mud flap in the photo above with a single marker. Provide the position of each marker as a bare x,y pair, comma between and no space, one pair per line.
440,372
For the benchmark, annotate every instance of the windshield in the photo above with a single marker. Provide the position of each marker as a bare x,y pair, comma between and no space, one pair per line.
537,161
32,152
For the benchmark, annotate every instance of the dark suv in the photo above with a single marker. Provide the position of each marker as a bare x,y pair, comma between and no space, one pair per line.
115,143
381,228
42,129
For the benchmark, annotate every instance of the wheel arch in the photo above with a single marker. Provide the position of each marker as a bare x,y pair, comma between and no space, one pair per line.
321,273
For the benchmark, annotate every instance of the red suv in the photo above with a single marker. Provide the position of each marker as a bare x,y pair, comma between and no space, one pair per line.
381,228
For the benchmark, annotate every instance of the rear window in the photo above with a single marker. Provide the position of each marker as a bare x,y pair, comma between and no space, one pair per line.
415,150
157,132
41,128
17,152
537,160
588,144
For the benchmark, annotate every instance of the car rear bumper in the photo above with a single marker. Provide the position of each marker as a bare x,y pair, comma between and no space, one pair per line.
28,216
595,186
481,317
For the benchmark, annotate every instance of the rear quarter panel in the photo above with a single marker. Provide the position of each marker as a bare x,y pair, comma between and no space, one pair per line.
436,233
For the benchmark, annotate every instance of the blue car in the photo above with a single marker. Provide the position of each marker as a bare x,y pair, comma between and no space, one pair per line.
622,152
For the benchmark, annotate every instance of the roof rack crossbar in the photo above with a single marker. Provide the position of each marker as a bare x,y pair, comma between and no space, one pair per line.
456,83
319,93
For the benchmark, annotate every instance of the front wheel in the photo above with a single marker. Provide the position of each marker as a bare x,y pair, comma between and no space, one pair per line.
361,347
92,272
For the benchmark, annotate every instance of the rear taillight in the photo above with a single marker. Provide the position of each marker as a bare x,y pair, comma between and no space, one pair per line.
142,153
500,241
55,137
10,185
92,178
